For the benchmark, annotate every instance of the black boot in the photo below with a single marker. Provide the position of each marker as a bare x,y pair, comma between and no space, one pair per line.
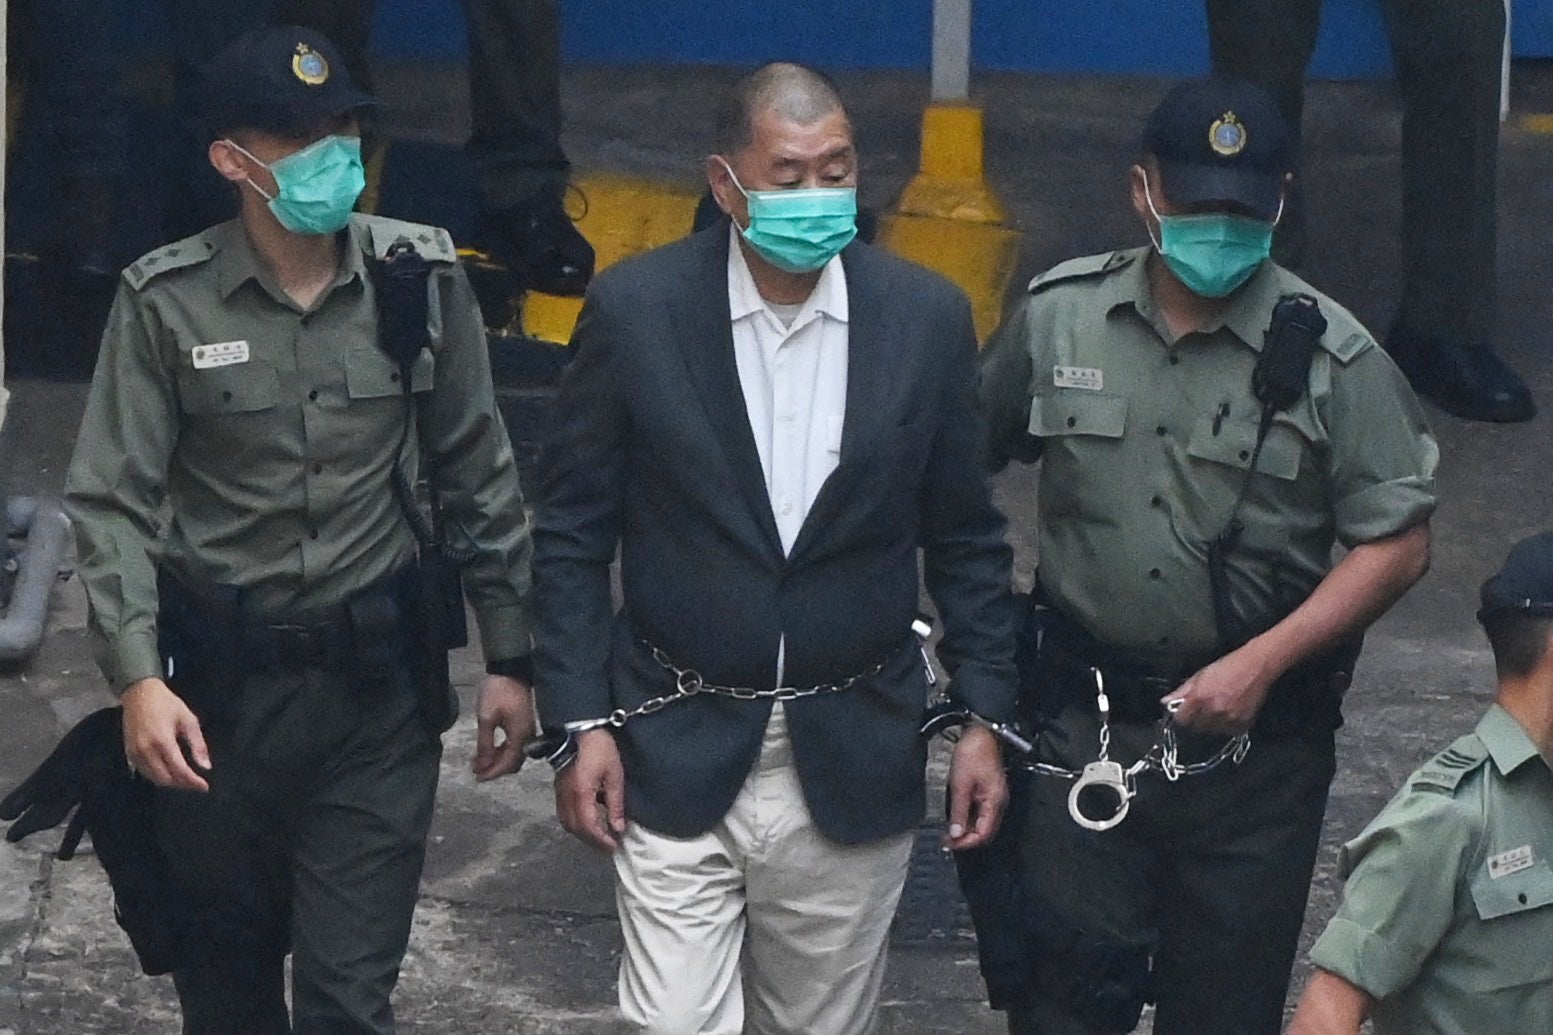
540,245
1465,380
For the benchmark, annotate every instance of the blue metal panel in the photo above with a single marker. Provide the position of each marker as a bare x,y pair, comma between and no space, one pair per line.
895,34
1531,28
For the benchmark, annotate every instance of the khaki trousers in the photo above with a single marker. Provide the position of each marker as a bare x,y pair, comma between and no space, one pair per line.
761,906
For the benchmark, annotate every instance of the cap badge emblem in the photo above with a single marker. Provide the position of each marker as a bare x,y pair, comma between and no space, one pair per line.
1227,135
309,66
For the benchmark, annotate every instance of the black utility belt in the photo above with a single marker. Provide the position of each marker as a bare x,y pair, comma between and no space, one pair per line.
1305,699
205,625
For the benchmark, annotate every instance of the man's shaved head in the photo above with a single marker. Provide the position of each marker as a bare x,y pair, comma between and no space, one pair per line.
795,93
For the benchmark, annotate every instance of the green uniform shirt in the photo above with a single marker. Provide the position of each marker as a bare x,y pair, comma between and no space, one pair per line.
1145,440
236,439
1447,914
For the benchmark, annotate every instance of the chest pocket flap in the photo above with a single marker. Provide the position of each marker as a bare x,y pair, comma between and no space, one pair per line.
369,374
1531,888
1077,412
1233,442
240,388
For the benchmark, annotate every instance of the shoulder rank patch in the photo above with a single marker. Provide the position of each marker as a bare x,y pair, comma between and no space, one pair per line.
1080,268
191,251
434,243
1446,770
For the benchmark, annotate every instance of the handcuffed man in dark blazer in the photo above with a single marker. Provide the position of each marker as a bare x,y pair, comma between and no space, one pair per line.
768,420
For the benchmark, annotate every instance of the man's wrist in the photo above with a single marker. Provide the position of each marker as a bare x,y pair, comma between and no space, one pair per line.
521,669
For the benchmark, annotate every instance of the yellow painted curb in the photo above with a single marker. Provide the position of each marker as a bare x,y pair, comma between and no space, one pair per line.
1537,123
951,182
979,257
623,216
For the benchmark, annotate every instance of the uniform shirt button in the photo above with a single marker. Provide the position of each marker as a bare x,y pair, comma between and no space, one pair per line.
1156,501
312,396
318,468
226,396
312,533
1161,431
1072,421
1154,573
394,377
1174,359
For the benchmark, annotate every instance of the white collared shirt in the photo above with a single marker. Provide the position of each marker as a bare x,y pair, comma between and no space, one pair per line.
794,379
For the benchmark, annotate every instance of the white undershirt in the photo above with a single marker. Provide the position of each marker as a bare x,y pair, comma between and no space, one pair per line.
794,375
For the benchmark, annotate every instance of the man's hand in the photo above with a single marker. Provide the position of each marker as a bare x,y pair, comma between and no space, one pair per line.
504,704
596,778
157,725
1224,697
978,790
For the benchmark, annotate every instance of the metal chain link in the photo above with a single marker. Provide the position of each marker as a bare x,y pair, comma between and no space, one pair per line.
690,683
1162,756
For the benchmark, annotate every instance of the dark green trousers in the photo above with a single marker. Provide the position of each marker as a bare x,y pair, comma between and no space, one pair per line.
311,837
1448,57
1195,899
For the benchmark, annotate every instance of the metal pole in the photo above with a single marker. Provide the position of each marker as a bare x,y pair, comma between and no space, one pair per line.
951,50
1504,72
4,396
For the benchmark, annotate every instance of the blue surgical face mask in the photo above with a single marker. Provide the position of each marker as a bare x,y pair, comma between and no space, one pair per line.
1213,253
799,230
316,188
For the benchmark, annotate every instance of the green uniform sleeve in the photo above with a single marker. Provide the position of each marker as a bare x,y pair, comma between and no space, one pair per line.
1400,896
1383,455
1006,366
115,487
477,475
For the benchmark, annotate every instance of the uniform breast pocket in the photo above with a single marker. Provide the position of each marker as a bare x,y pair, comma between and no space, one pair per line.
1077,412
370,374
1517,910
1233,444
249,387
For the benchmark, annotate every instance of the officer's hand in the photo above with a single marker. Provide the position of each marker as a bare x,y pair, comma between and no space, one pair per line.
596,778
978,790
1224,697
504,704
157,724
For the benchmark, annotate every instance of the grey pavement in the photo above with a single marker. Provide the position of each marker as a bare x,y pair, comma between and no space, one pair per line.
515,933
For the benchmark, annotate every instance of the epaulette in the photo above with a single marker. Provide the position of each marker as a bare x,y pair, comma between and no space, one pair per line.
1445,771
1080,268
434,243
191,251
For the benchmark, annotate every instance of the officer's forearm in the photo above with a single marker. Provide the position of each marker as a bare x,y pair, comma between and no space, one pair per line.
1331,1006
1360,589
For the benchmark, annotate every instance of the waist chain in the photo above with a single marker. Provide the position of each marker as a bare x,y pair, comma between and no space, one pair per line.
559,748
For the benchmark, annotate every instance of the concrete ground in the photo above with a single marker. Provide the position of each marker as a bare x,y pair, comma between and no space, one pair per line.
515,932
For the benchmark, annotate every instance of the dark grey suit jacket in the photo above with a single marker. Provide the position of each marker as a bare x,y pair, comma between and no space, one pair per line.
651,452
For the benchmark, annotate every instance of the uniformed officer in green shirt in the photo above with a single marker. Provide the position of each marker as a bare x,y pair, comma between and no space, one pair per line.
252,575
1447,913
1186,531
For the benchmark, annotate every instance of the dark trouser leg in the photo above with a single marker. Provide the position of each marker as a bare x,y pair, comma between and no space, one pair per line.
227,994
360,844
515,99
1448,55
1089,899
1241,848
228,849
1270,43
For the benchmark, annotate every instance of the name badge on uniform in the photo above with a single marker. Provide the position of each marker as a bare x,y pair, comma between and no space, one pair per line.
220,354
1506,863
1087,378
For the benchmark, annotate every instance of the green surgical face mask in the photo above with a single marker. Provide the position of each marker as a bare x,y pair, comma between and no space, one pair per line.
1215,252
799,230
317,187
